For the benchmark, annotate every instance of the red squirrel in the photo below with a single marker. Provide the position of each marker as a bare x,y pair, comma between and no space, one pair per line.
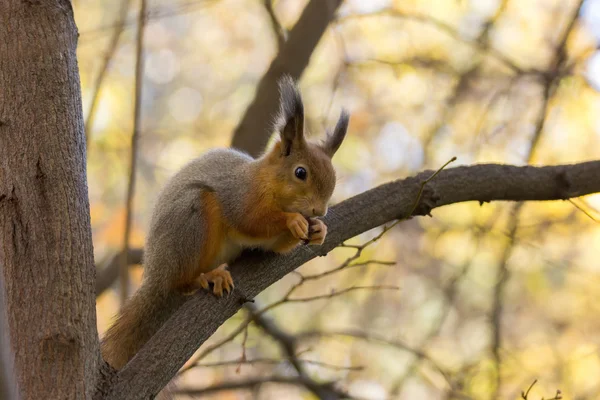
218,205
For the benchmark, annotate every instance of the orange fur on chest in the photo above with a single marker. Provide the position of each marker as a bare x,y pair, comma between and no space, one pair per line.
222,242
263,218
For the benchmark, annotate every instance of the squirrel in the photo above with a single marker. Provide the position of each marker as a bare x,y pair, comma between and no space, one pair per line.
221,203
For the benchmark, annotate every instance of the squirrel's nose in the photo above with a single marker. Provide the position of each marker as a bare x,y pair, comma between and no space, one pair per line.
319,211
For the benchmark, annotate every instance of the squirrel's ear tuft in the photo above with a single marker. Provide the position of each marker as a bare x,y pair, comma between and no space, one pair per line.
290,121
334,139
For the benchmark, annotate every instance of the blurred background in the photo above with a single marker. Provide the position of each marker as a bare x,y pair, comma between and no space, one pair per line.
489,298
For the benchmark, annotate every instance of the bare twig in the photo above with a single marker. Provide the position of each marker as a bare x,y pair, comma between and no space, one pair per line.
139,75
553,77
243,385
153,14
525,395
498,294
372,337
450,293
583,210
447,29
464,79
287,300
288,344
345,266
503,271
110,52
275,361
278,30
209,349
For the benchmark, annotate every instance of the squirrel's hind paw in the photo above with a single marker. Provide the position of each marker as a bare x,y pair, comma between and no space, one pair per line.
220,278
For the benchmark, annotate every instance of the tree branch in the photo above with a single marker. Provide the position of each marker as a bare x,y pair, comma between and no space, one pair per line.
107,275
196,319
243,385
278,30
288,343
252,133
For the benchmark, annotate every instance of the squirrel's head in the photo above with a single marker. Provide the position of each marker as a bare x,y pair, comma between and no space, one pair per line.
302,173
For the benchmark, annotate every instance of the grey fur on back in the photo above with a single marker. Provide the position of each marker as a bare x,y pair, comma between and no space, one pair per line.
227,172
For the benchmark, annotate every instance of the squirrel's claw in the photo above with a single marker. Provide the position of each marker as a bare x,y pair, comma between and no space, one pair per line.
220,278
318,232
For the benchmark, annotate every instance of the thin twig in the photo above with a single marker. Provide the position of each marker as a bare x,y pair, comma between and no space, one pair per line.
280,32
425,182
213,347
345,265
287,300
483,43
503,271
137,113
243,358
446,28
583,211
524,395
372,337
276,361
153,14
287,343
110,52
242,385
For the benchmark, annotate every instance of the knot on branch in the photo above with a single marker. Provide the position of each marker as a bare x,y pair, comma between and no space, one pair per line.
563,185
428,201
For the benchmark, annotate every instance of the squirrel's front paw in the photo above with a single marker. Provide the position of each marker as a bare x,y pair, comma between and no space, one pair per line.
318,231
220,278
298,226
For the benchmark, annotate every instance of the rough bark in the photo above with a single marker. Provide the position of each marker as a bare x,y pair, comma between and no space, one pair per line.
7,379
45,233
194,321
252,133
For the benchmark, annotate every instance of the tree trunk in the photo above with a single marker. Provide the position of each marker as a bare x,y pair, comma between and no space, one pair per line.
45,233
7,384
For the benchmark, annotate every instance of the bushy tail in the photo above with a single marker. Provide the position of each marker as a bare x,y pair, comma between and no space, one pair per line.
141,317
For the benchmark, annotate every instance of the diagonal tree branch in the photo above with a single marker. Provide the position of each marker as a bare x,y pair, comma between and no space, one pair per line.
108,274
252,133
194,321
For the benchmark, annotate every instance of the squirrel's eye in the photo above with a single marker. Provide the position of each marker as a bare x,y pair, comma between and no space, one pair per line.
300,173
